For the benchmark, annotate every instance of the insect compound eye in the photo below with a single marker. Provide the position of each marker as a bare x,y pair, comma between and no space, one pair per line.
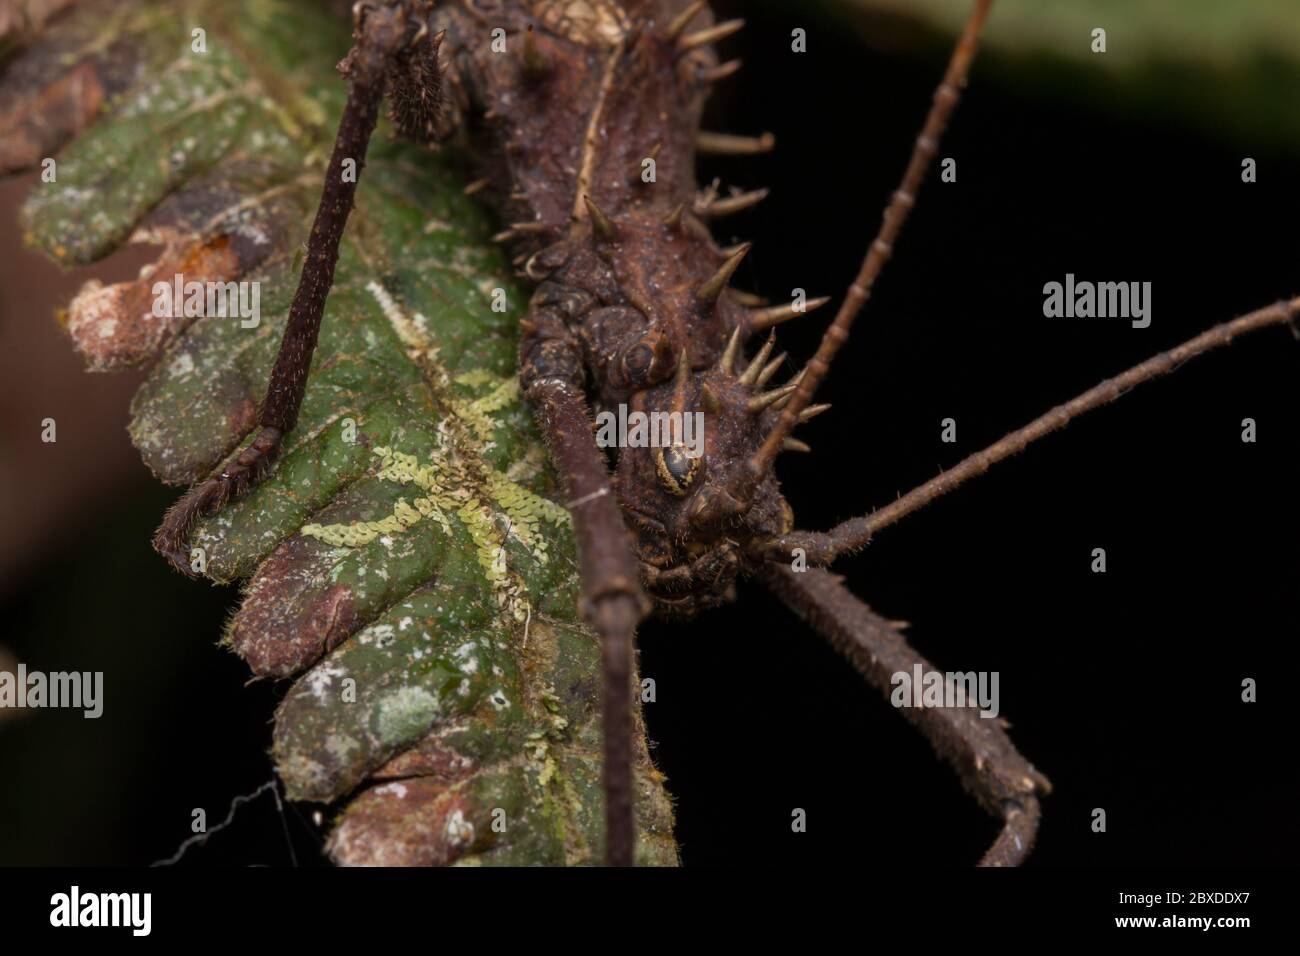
677,469
638,360
649,360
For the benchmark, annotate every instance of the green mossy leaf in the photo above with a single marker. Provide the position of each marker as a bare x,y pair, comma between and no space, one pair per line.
406,560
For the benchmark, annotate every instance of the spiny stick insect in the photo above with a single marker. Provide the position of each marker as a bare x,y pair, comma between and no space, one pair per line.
632,306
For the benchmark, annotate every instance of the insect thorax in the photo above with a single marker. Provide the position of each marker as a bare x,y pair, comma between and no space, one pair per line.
589,117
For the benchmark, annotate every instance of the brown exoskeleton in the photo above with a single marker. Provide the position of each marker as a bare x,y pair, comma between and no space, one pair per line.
571,102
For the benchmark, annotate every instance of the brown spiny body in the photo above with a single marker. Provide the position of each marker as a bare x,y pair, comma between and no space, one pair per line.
631,305
568,99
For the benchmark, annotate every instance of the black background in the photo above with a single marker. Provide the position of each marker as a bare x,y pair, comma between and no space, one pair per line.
1124,688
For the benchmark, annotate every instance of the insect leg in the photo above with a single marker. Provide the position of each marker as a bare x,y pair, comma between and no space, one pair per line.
613,602
978,748
824,547
381,32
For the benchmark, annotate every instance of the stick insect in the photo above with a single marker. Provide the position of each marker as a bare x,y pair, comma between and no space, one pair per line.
632,306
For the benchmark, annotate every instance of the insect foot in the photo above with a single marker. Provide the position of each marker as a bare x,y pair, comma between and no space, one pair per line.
171,540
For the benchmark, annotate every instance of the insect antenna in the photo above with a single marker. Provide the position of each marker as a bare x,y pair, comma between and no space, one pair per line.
823,547
850,535
896,213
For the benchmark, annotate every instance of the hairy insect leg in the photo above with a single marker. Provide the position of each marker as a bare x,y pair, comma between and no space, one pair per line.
382,32
613,602
978,748
822,548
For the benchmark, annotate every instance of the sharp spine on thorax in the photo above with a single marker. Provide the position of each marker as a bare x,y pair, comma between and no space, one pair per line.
581,100
589,122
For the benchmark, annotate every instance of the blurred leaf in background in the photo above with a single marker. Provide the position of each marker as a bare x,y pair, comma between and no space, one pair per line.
1225,66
